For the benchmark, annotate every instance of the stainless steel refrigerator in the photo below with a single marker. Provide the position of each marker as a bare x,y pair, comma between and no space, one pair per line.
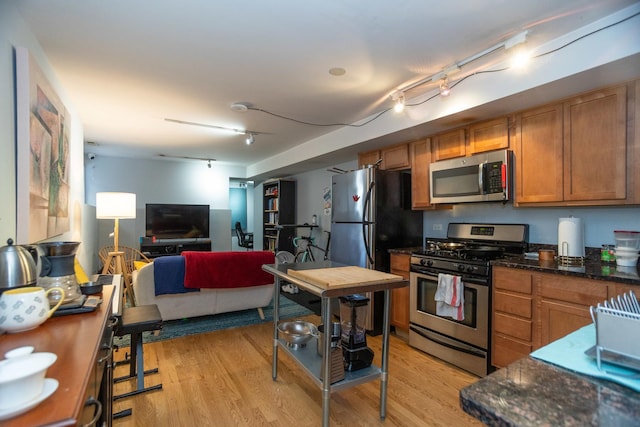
370,214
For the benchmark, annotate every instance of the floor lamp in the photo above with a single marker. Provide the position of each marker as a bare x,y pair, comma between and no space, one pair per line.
116,206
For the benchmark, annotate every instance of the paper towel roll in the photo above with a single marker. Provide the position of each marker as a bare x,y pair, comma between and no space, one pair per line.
570,237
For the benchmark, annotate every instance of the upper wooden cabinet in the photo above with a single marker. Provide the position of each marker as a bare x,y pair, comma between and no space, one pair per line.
483,136
449,145
595,146
393,158
368,158
488,136
578,152
420,153
538,152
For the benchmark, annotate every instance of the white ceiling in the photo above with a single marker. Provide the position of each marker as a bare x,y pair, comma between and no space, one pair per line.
126,65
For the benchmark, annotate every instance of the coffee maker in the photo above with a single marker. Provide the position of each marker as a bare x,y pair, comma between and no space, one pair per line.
353,318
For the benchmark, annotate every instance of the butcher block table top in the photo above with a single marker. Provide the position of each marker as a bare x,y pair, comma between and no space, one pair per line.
330,279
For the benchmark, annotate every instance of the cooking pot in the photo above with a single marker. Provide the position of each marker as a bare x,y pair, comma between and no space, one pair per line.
18,266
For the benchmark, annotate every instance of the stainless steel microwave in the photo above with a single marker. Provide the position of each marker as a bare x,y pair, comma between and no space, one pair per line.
484,177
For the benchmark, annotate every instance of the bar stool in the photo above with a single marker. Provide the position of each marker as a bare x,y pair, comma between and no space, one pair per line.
135,321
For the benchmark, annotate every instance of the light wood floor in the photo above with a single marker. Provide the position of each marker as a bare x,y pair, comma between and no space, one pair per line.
223,378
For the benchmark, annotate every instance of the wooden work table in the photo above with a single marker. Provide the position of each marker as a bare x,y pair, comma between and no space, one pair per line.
329,280
76,340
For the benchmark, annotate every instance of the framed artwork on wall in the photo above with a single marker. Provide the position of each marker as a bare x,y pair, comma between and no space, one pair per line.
42,147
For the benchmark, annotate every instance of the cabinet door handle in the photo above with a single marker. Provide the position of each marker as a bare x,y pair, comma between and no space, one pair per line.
106,357
91,401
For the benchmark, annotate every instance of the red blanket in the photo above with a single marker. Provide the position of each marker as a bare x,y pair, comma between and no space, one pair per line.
227,269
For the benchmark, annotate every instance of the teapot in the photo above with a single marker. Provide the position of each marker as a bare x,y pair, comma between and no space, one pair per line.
18,266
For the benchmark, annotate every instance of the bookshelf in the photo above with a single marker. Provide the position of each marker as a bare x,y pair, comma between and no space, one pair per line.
279,207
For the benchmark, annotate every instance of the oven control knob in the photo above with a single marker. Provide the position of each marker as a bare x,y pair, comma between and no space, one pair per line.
470,269
461,267
423,261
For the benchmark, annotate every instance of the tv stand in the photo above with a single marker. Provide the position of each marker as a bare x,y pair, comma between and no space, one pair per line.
165,247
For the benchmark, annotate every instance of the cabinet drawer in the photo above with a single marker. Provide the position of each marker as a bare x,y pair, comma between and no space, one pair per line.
513,304
512,326
512,279
578,291
507,351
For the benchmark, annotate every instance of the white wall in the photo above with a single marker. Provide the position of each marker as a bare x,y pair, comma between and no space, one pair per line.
157,181
14,33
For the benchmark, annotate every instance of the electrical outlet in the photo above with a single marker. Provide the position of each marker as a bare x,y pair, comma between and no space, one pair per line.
437,227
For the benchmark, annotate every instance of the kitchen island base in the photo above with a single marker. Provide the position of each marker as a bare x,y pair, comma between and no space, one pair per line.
307,357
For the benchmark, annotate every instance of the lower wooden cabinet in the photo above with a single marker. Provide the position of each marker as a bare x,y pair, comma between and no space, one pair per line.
563,304
400,296
512,331
532,309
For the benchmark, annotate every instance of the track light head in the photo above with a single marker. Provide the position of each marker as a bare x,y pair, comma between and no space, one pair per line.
398,98
250,139
209,164
445,90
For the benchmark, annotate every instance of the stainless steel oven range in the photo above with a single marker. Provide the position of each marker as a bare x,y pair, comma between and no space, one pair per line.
466,252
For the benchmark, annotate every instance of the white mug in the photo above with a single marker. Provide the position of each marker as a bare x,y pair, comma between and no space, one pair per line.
26,308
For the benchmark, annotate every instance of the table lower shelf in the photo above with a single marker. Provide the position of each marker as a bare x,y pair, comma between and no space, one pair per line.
309,359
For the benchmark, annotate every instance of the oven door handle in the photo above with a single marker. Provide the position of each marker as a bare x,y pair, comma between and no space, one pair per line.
464,349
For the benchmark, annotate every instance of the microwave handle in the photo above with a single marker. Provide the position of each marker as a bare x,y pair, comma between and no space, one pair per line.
481,178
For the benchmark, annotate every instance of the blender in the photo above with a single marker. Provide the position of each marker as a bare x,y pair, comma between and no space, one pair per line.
57,259
354,311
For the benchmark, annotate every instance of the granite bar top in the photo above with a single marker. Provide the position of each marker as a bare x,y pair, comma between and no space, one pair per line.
530,392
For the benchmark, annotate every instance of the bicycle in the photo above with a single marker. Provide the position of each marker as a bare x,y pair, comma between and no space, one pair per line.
304,245
304,253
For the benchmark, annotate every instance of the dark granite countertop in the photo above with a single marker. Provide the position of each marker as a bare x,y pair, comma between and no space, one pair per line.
530,392
405,250
592,269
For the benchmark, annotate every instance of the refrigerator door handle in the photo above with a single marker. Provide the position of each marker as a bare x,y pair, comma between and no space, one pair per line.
365,222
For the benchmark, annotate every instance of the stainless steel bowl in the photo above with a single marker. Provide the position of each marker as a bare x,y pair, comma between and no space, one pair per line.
297,333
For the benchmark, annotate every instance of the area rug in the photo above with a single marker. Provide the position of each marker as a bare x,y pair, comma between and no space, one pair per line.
198,325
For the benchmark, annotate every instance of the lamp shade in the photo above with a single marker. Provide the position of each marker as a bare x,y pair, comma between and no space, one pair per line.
115,205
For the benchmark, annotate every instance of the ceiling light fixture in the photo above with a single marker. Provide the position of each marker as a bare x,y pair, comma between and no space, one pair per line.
250,139
444,87
507,44
398,98
240,107
209,164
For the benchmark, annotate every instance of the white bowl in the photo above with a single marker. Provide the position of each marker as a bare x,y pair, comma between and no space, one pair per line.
626,260
626,251
22,377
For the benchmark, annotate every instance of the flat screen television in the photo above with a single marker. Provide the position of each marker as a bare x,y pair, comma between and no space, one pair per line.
173,221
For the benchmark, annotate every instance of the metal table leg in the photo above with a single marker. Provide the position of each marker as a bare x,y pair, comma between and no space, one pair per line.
276,317
326,361
385,355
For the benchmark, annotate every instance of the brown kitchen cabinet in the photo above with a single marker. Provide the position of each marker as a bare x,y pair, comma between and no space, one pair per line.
400,296
512,332
538,151
395,157
579,152
368,158
450,144
420,159
532,309
488,136
563,303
